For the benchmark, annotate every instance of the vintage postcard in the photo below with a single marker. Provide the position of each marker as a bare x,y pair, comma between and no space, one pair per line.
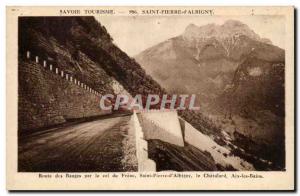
150,98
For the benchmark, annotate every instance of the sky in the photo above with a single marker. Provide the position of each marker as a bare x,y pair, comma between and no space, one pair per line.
134,34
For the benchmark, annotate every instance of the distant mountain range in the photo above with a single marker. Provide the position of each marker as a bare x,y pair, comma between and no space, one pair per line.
208,56
237,75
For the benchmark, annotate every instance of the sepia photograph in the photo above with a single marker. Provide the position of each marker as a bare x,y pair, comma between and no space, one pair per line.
155,93
67,63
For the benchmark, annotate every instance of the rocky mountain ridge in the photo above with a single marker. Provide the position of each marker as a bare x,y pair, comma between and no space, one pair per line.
237,76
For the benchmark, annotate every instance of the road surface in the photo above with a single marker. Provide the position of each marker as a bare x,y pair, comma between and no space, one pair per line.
86,147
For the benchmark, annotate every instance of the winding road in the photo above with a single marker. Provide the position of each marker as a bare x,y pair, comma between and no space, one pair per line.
85,147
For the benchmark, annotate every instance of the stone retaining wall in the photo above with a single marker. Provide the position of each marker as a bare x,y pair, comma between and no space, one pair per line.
48,96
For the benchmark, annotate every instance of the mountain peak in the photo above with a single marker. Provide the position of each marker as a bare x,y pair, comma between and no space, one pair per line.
228,29
191,26
233,23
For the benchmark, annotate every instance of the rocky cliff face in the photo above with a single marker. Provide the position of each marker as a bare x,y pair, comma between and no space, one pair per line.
223,33
238,78
82,47
46,98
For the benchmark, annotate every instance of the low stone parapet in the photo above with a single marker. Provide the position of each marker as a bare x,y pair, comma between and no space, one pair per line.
144,163
162,125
